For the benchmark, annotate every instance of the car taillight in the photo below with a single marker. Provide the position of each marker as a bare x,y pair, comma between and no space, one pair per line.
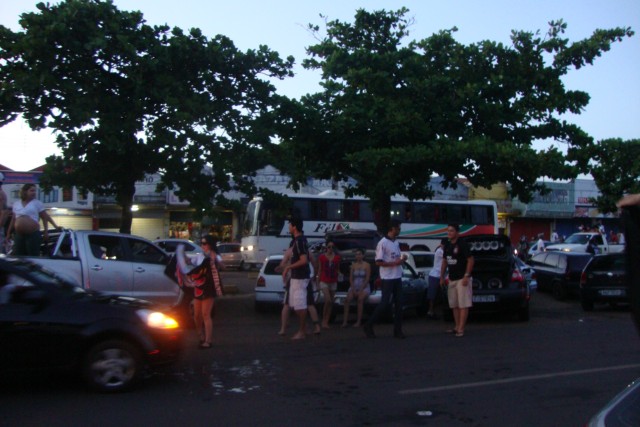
261,283
516,276
583,279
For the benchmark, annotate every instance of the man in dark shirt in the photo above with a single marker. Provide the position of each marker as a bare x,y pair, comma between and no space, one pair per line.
459,262
299,269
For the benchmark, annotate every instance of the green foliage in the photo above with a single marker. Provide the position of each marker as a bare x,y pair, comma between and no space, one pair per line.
126,100
393,113
615,168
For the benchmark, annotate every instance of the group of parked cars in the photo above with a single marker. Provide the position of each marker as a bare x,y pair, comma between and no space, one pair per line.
501,281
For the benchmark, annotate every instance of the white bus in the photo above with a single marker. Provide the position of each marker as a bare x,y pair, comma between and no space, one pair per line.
266,230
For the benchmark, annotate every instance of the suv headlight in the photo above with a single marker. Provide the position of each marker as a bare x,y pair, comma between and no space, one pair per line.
157,319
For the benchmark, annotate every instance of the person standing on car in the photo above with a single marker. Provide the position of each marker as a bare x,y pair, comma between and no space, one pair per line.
434,278
540,244
25,222
207,284
459,262
389,258
328,268
299,269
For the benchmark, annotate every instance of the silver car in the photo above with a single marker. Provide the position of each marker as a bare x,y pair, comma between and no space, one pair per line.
231,255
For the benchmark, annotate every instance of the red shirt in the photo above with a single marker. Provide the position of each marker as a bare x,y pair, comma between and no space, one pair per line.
329,268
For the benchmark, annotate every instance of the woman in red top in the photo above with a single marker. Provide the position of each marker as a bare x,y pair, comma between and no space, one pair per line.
328,269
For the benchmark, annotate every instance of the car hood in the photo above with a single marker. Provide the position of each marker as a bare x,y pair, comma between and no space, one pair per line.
567,247
119,300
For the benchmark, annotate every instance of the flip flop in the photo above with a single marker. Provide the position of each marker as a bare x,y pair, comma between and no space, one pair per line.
459,334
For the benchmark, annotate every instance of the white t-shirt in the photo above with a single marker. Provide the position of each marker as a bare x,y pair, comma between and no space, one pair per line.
389,251
437,262
32,209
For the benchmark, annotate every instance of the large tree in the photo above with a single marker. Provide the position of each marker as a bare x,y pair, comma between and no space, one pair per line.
393,112
126,99
615,167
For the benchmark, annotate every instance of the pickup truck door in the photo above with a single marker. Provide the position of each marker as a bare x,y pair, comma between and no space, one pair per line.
149,280
108,268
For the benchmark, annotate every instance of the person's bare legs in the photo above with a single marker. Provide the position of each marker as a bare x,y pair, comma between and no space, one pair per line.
313,313
302,317
456,318
326,309
207,306
361,297
284,319
462,321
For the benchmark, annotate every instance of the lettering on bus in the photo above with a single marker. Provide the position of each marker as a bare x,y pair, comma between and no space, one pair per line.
323,227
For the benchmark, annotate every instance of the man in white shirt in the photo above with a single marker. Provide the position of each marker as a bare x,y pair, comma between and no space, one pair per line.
389,259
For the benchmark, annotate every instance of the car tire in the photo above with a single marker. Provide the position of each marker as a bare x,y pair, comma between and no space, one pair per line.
112,366
587,304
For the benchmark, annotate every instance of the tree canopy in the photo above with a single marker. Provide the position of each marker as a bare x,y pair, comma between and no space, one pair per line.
126,99
615,167
394,112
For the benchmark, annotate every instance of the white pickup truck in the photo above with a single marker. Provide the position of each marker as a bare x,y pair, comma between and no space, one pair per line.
112,263
579,242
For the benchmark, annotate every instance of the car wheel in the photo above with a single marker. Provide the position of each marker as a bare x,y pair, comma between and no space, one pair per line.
587,304
558,290
112,366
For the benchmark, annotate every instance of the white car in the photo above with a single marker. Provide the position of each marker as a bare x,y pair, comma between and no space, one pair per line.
421,261
170,245
269,289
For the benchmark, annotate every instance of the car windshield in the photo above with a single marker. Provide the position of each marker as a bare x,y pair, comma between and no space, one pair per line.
578,239
423,260
45,276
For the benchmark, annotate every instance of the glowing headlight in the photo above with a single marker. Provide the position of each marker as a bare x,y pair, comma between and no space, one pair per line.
156,319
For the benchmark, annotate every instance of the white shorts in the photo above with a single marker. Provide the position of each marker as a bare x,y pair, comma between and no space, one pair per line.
298,294
331,286
460,296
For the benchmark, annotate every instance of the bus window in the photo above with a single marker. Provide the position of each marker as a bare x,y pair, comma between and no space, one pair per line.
351,210
455,214
425,212
481,215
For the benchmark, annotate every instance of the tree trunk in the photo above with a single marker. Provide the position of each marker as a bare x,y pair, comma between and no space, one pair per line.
125,200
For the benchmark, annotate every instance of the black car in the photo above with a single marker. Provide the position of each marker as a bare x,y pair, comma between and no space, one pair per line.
559,272
498,283
48,323
604,280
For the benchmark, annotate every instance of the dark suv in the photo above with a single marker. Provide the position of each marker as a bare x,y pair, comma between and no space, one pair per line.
604,280
498,283
559,272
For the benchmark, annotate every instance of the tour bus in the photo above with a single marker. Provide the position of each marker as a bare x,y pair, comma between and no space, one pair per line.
265,229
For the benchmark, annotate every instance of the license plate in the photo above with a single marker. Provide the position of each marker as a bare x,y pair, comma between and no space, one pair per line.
612,292
484,298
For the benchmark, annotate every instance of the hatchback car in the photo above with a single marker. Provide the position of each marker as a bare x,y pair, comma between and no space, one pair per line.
498,283
604,280
559,272
231,255
269,290
48,323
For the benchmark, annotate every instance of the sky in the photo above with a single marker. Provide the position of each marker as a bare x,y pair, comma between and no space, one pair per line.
612,82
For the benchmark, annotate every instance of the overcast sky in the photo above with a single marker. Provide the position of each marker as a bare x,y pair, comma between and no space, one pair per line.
612,82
